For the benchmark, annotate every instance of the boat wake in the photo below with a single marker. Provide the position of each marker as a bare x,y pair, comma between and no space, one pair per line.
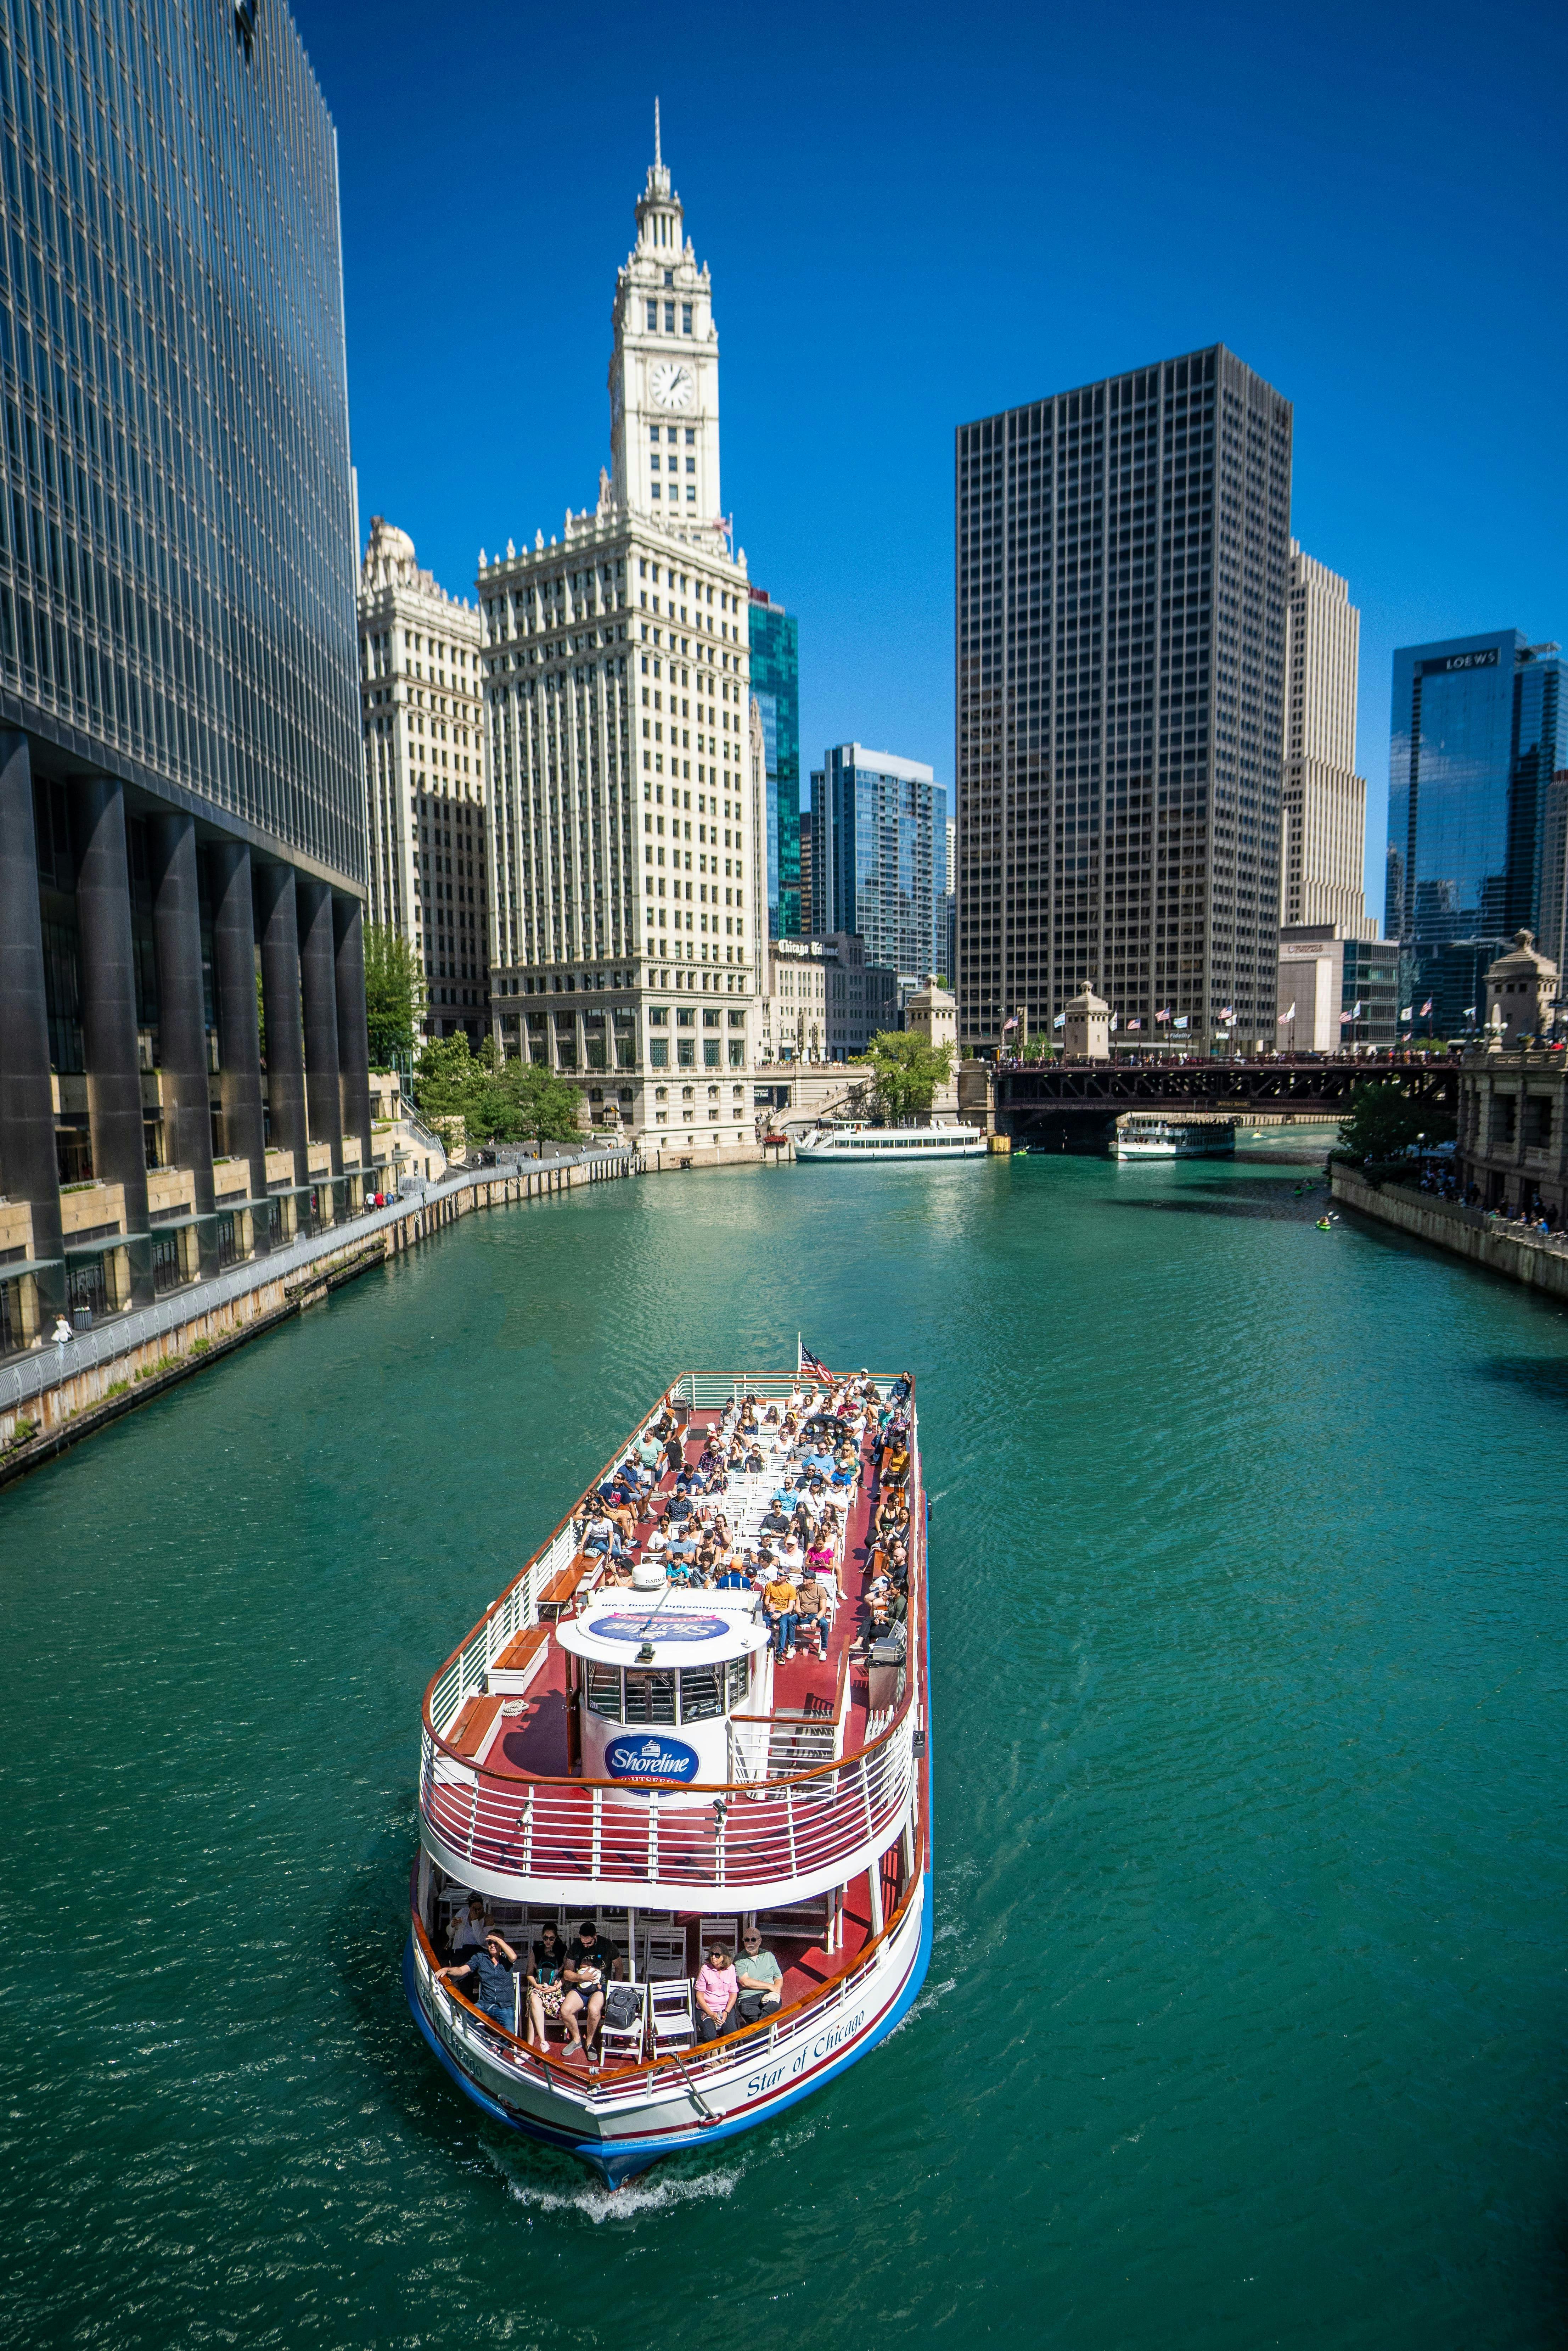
927,2000
659,2191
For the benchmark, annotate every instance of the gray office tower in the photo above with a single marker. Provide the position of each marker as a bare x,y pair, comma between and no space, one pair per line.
181,794
1476,843
1123,574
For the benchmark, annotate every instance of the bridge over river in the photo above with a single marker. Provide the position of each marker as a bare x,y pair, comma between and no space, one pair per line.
1073,1105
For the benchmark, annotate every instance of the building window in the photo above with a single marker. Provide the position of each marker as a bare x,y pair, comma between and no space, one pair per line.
669,318
652,317
685,318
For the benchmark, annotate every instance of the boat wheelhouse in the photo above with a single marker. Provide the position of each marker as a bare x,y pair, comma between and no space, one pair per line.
615,1743
858,1146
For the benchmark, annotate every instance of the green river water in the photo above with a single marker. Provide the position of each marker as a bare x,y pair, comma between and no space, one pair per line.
1244,2025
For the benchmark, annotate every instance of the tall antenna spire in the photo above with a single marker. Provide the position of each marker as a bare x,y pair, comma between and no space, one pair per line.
658,158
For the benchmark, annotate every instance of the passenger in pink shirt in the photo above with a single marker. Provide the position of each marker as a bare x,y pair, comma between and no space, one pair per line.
718,1991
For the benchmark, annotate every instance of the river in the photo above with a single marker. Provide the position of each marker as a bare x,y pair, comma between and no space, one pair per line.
1245,2020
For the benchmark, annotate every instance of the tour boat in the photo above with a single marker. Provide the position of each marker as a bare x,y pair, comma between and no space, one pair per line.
1141,1134
633,1753
858,1146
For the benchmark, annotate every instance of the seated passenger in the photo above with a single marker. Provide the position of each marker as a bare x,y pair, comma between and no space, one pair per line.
543,1986
779,1610
792,1557
600,1535
585,1975
718,1993
732,1575
774,1521
811,1613
467,1931
758,1977
492,1970
650,1453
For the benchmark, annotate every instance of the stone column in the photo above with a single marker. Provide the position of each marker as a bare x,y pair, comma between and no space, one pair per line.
280,1012
317,970
233,1003
353,1033
182,1016
29,1168
109,1008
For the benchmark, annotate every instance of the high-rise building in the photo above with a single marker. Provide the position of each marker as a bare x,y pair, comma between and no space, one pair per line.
180,779
624,777
806,929
1123,583
1475,844
1322,839
879,857
775,688
947,914
420,691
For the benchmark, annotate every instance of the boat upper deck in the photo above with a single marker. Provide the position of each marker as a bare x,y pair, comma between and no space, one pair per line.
637,1711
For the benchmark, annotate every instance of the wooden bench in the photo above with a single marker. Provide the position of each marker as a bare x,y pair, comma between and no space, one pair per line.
562,1590
475,1727
519,1661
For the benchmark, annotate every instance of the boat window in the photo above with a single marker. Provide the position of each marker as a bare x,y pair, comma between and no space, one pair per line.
650,1698
739,1670
603,1691
702,1693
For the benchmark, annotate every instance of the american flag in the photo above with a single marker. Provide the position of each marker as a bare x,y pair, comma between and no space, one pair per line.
1135,1024
1164,1015
1426,1007
815,1365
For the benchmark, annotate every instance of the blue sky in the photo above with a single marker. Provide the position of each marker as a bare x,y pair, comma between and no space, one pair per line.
914,219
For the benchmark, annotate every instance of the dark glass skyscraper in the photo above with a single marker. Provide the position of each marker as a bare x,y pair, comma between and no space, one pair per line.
1476,737
1123,557
775,638
181,794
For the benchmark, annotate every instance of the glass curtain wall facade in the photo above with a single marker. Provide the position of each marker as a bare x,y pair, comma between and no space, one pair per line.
178,768
1123,555
879,858
775,636
1476,740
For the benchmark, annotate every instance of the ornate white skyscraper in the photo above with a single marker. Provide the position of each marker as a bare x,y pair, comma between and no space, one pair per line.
1323,842
627,886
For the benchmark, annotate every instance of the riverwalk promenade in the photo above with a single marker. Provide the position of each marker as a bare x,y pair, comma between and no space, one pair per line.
56,1394
1495,1243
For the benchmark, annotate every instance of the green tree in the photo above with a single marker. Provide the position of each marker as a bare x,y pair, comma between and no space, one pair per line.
906,1072
394,993
1383,1119
498,1101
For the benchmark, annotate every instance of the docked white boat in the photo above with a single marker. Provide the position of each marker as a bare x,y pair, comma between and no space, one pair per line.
860,1146
1141,1134
615,1748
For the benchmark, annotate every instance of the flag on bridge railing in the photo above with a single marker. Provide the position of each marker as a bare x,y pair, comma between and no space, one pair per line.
1227,1012
1180,1020
1405,1012
1288,1014
1135,1024
1426,1007
1164,1015
1059,1021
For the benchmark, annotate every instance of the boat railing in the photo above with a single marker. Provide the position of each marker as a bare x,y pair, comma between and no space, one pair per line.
467,2029
773,1839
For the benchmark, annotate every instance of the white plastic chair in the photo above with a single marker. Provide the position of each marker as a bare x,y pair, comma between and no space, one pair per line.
626,2040
663,1953
721,1930
669,2014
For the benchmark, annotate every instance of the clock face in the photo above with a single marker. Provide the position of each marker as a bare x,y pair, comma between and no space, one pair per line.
673,384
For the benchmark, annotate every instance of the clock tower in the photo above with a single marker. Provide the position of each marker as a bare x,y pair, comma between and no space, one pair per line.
663,372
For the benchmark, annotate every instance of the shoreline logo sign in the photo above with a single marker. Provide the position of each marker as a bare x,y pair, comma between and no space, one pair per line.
650,1757
659,1624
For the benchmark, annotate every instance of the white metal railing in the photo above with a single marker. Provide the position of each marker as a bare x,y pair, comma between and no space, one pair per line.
765,1837
32,1374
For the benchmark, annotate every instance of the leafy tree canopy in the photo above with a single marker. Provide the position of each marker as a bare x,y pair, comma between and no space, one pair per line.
498,1101
394,993
906,1072
1383,1121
